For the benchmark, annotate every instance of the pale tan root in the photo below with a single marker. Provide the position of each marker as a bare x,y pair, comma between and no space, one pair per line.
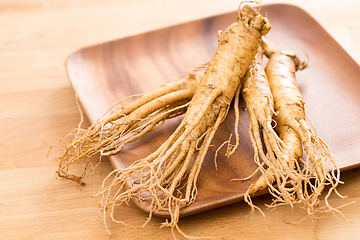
303,180
126,124
232,148
167,178
259,103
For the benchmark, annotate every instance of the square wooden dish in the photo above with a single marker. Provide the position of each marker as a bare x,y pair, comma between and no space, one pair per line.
107,72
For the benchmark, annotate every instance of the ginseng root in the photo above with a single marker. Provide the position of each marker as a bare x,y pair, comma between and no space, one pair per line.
167,177
298,179
260,106
126,124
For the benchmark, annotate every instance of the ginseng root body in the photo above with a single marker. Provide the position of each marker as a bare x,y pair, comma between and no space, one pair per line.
168,176
268,147
291,177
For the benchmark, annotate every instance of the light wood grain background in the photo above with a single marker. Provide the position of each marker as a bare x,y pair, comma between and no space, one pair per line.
38,105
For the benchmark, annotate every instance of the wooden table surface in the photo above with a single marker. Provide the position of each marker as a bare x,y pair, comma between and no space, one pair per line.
38,105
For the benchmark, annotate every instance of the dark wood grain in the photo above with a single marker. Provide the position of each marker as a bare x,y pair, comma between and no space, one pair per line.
104,73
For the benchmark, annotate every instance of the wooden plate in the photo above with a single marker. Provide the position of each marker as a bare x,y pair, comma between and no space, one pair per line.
104,73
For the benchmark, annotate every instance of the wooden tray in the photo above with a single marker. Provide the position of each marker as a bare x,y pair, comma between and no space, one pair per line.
104,73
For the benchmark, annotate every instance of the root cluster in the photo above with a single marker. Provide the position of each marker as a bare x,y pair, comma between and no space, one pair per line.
295,163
